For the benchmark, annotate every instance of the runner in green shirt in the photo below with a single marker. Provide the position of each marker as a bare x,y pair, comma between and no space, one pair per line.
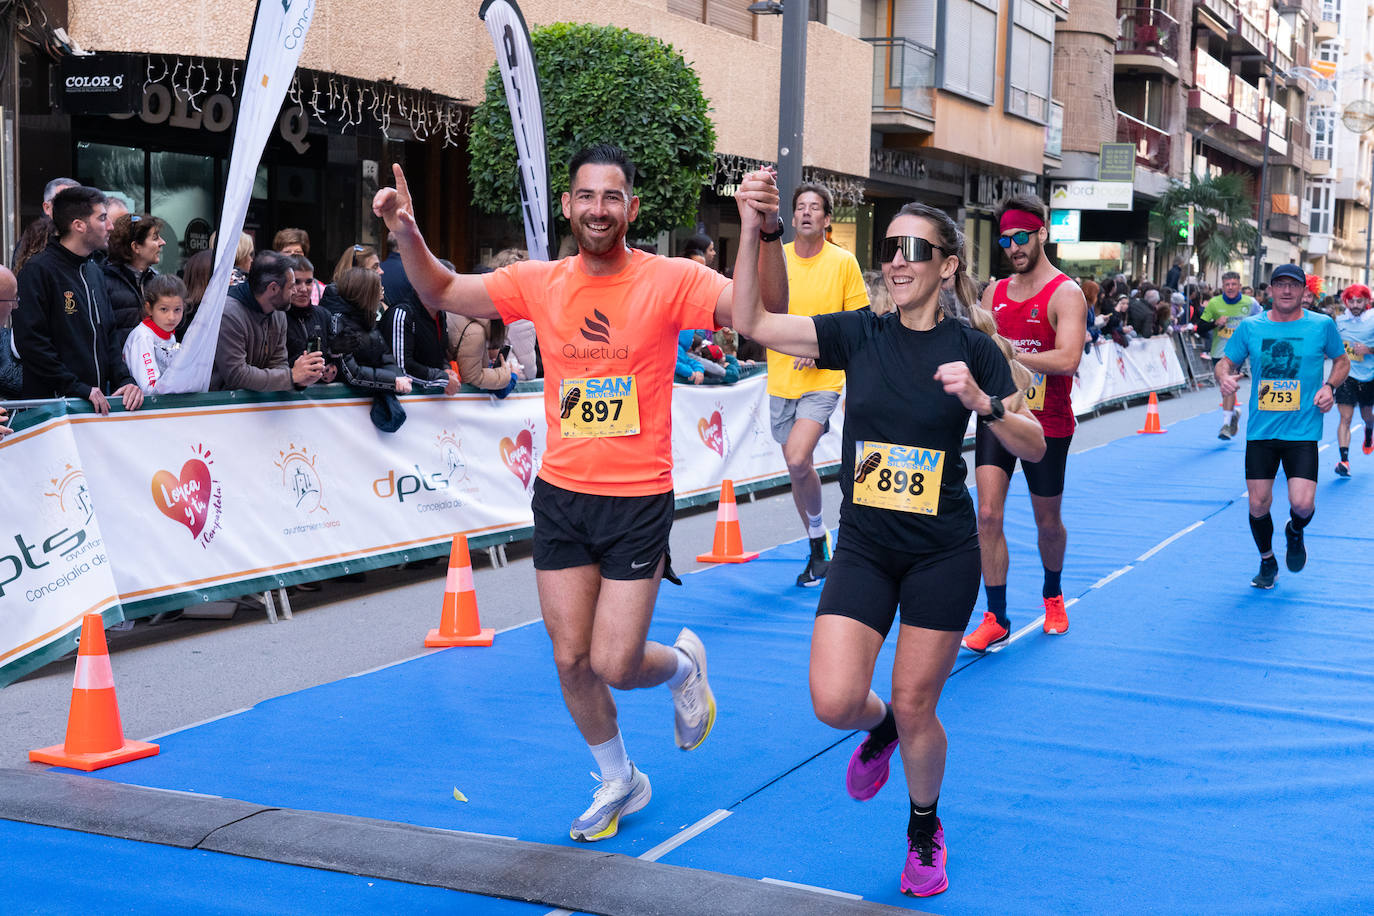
1223,313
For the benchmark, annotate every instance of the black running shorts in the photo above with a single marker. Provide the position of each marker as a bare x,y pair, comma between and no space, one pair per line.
1043,478
625,535
868,583
1353,392
1263,457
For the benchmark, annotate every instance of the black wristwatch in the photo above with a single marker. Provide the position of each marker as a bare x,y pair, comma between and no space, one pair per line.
774,235
1331,386
996,411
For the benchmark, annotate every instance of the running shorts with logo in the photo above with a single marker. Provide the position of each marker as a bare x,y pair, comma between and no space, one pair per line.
1287,368
1043,478
624,535
609,345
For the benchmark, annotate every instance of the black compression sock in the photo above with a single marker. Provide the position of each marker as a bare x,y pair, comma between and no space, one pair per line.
1297,521
886,731
1368,435
1051,587
1345,452
1262,530
923,819
997,603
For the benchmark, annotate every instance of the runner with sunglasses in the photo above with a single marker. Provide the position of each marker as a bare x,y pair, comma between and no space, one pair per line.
1044,315
908,533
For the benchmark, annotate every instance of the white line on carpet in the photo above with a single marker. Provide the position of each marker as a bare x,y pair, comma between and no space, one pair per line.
1166,542
1110,576
811,887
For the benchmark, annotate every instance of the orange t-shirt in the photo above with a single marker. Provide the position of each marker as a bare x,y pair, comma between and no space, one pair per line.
610,327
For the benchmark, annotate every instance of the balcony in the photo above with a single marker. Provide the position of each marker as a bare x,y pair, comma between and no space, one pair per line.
1245,108
1285,215
1278,128
903,86
1149,40
1152,144
1326,29
1213,93
1225,12
1299,145
1054,132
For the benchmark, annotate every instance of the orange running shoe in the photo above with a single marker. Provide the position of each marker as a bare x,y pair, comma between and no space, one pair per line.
1056,618
989,633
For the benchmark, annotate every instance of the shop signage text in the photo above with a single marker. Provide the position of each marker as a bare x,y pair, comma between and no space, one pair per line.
214,112
1092,195
988,191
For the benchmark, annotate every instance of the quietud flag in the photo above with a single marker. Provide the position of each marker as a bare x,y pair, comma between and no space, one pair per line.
274,49
515,57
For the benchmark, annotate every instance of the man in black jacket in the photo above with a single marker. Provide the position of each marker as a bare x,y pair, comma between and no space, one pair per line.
418,339
64,328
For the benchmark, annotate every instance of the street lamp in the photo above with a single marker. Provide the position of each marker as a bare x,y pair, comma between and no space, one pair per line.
791,93
1359,118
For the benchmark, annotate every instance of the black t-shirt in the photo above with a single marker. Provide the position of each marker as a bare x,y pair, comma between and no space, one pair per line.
892,397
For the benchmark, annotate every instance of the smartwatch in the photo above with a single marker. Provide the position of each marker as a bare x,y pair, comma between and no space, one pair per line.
1331,386
996,411
774,235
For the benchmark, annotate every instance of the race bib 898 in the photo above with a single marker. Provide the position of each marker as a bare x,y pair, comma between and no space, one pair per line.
901,478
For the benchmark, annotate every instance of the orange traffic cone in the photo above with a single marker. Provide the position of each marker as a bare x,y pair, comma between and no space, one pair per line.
459,624
95,738
728,546
1152,417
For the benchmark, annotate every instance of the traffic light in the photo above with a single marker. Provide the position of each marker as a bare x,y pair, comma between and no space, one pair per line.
1183,227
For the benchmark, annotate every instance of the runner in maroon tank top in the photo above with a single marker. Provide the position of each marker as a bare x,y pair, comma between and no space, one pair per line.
1043,313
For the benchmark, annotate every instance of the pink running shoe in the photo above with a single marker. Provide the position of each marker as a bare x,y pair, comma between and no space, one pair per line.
868,770
924,875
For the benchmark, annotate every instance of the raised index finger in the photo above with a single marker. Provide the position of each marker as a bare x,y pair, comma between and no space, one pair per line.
402,188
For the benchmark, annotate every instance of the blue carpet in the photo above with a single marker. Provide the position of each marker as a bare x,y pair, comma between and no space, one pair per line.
1191,745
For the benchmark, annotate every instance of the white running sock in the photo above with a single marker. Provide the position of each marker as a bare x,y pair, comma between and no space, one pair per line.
815,527
684,668
611,758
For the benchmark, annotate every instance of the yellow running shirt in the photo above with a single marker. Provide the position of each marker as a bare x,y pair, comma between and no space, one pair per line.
829,282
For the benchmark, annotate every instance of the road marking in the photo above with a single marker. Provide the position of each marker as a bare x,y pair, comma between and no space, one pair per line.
223,715
811,887
1110,576
1166,542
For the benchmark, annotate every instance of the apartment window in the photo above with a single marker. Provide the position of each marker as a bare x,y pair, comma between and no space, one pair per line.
1329,52
914,20
1331,10
1319,197
964,56
1030,54
1321,119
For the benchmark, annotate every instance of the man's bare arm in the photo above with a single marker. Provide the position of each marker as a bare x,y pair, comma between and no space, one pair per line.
435,285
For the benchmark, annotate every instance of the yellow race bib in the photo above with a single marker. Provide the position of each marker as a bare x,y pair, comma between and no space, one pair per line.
598,407
902,478
1226,332
1354,357
1280,394
1035,394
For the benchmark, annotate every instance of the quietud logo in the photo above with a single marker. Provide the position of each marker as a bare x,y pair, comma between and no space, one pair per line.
597,331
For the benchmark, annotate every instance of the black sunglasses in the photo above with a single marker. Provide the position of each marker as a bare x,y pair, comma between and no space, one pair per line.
1020,237
913,248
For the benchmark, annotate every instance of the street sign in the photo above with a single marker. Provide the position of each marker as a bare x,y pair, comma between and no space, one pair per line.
1116,162
1064,225
1091,195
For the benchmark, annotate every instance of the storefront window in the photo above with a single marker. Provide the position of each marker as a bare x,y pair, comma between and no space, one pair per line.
114,170
182,187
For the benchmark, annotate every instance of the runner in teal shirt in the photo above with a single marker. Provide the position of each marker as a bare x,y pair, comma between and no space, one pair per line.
1356,327
1287,348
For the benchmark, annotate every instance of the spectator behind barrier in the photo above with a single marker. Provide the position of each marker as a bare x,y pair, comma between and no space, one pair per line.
149,349
701,249
135,247
474,346
195,273
306,322
364,360
251,353
11,374
364,256
243,257
296,243
34,239
418,339
64,329
519,334
396,286
688,369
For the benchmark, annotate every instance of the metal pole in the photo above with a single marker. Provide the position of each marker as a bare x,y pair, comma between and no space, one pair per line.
1369,221
1256,275
791,104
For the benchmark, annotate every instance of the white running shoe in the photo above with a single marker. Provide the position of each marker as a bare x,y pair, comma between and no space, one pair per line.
694,706
612,800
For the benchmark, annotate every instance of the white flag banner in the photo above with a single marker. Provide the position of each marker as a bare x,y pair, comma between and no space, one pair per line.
515,58
278,37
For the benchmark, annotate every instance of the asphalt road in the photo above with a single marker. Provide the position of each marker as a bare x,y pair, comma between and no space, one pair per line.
173,675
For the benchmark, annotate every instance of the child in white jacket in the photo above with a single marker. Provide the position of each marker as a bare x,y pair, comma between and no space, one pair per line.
151,345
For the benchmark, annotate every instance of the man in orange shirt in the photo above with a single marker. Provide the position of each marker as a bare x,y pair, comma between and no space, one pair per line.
603,501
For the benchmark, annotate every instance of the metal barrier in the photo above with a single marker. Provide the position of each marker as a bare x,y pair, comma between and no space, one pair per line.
1195,353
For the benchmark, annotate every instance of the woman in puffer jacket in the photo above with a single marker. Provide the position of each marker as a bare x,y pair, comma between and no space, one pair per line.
357,346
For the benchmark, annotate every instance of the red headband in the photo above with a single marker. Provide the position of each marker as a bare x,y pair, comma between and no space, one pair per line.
1020,219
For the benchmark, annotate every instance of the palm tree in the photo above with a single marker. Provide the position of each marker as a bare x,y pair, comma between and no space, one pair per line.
1222,210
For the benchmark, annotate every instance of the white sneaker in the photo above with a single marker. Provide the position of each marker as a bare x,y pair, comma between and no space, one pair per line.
694,706
612,800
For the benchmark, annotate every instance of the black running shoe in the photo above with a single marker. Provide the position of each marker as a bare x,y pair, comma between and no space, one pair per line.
1296,558
818,564
1269,568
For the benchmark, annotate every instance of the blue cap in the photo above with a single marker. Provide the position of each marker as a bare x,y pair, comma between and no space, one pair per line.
1290,271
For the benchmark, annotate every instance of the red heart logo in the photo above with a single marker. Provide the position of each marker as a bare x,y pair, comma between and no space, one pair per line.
712,432
519,455
186,500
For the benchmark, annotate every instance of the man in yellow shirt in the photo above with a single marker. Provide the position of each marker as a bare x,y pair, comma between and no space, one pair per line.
821,278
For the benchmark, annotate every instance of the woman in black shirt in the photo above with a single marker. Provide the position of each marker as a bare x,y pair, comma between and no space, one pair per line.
908,527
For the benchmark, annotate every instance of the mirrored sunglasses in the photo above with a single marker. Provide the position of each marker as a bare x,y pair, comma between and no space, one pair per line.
1020,237
913,248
